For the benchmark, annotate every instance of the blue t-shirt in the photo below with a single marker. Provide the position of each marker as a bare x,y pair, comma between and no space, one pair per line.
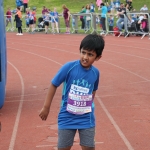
77,80
54,16
111,22
104,11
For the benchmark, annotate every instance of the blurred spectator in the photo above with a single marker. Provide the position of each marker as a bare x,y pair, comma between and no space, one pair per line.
31,21
112,7
92,7
144,8
19,3
142,24
129,2
134,16
127,11
82,18
25,4
34,14
45,10
18,20
117,4
109,7
8,16
98,3
88,18
103,16
66,15
111,22
46,21
121,11
27,18
54,20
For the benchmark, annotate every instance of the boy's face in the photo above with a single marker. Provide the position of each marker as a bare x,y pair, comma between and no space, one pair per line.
87,58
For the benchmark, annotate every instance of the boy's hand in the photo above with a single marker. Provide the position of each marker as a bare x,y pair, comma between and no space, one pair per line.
44,113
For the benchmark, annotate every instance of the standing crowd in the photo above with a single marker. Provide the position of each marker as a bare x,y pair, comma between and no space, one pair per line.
112,10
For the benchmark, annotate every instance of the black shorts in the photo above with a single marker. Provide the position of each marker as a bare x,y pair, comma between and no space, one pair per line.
46,23
31,22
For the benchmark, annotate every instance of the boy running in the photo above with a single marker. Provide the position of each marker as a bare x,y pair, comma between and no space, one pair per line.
80,79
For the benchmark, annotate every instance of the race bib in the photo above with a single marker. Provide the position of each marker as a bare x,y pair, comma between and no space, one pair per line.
79,104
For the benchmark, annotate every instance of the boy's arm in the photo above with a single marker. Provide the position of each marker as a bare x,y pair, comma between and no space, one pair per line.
94,92
46,107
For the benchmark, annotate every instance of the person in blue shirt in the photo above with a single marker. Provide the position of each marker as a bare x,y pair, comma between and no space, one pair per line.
80,81
54,20
92,7
19,3
103,16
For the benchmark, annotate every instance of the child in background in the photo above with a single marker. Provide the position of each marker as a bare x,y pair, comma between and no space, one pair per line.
111,22
54,19
31,21
80,79
73,22
46,21
8,17
92,7
34,14
27,18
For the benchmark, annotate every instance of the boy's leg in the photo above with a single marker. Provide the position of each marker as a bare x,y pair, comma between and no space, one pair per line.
87,138
87,148
65,138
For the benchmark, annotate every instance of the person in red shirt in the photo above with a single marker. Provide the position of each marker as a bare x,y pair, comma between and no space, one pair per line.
45,10
66,15
8,16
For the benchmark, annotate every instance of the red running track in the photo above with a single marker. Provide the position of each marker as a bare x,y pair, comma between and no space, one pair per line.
122,100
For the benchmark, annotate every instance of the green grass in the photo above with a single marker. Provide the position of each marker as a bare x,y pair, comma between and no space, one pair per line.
73,5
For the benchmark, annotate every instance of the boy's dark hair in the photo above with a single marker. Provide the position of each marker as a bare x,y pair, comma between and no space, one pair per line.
93,42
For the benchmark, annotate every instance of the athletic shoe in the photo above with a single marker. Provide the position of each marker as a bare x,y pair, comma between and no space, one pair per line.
18,34
102,33
67,32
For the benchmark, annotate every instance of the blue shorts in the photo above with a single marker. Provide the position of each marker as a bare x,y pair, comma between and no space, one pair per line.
66,137
56,20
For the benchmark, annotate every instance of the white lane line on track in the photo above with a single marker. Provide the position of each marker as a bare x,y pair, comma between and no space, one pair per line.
78,54
128,54
15,128
107,44
104,108
127,143
79,39
126,70
105,50
42,146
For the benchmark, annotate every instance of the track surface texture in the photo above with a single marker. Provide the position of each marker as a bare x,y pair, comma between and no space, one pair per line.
122,100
